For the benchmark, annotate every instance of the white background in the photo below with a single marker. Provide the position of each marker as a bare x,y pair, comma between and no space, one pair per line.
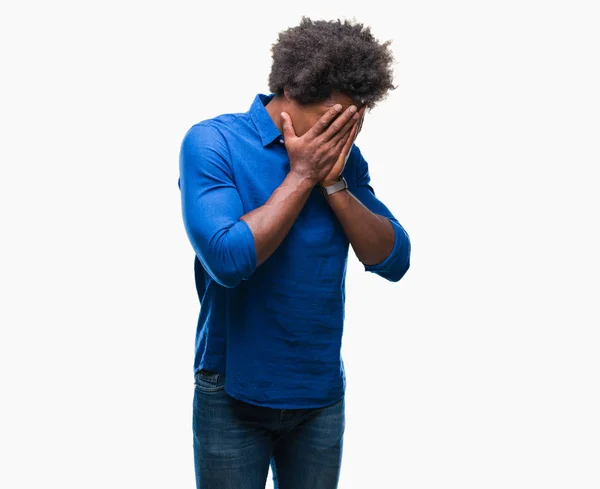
480,369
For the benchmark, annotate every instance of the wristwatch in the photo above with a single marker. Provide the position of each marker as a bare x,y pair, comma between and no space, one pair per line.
336,187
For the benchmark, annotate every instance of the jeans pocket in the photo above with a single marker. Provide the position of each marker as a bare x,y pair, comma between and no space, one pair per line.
209,381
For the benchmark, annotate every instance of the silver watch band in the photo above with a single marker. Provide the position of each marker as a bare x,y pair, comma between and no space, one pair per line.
336,187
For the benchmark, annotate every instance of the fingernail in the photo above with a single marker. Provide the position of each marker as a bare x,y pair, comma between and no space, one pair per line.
337,107
352,108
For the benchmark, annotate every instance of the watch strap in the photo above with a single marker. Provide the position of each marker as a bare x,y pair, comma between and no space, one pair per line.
336,187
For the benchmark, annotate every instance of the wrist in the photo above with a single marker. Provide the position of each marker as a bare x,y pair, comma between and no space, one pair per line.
302,180
335,187
329,181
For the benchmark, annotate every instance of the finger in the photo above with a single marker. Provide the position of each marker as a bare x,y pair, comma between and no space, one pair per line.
338,124
342,155
340,145
288,128
323,123
345,143
362,118
359,126
347,127
350,141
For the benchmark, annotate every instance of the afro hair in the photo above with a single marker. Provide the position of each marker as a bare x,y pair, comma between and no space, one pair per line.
316,58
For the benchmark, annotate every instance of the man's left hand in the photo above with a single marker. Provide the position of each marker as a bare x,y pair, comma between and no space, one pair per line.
336,171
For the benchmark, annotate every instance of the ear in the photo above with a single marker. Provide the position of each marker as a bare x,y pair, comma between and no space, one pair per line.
286,94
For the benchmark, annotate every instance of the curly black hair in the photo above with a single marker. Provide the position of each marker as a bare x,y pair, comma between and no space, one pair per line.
316,58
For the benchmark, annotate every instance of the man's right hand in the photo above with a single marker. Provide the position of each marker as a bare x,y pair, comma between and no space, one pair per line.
313,155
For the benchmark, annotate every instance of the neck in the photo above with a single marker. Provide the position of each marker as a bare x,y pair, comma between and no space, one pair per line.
275,107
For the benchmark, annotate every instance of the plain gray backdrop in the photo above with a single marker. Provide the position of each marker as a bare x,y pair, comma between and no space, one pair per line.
480,369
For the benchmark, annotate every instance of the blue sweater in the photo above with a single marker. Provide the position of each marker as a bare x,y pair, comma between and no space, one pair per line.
275,330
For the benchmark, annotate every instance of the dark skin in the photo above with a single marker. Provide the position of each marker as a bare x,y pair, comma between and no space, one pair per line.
318,142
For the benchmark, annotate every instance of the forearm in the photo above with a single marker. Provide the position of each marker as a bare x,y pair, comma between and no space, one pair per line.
371,235
271,222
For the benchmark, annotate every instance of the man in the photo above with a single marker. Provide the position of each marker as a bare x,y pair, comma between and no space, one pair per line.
271,200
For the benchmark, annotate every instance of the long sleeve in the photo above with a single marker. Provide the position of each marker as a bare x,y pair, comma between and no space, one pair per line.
397,262
211,207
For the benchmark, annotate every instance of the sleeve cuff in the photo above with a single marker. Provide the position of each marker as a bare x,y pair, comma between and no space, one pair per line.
397,256
244,256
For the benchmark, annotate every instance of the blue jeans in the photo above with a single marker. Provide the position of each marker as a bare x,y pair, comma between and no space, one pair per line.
234,442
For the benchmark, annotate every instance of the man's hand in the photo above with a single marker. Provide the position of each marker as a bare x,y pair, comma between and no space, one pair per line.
334,174
313,155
